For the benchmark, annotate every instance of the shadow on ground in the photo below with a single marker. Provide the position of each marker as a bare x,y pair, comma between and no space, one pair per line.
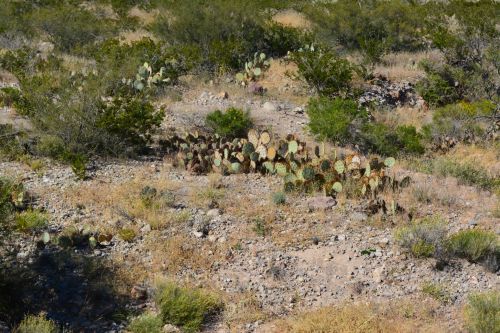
77,291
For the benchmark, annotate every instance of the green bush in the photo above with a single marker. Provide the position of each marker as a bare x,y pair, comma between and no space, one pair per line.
70,26
327,73
31,221
127,234
37,324
185,307
422,238
439,87
462,121
232,123
381,139
279,198
225,32
333,119
146,323
7,190
474,245
482,312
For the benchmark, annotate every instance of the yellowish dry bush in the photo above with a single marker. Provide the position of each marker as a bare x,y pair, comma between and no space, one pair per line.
366,318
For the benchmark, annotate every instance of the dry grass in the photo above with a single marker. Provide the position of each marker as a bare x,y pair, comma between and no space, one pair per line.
292,18
488,158
241,309
130,36
404,65
366,318
403,116
143,16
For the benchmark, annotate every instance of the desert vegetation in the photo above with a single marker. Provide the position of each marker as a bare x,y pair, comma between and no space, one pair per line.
249,166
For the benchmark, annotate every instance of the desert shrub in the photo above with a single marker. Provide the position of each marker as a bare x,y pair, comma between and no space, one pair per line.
333,119
482,312
372,27
37,324
70,26
323,70
90,113
462,121
381,139
466,172
31,220
227,33
231,123
474,245
12,142
279,198
260,227
7,188
422,238
185,307
436,291
146,323
439,87
127,234
465,32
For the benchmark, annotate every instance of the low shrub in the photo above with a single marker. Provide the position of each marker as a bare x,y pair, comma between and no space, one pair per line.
7,188
185,307
474,245
31,220
436,291
146,323
463,121
37,324
466,173
279,198
422,238
232,123
127,234
381,139
482,312
260,227
333,119
439,88
324,71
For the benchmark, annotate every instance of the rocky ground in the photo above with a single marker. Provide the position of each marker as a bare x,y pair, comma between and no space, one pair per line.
227,234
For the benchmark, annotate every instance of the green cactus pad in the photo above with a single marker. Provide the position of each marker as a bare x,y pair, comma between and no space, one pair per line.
281,169
308,173
269,166
389,162
339,167
337,187
293,147
325,165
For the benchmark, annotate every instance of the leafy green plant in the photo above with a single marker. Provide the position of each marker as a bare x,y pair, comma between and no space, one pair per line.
474,245
185,307
232,123
333,118
482,312
422,238
146,323
31,220
327,73
9,190
37,324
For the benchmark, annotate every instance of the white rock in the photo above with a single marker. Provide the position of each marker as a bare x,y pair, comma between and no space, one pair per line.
269,107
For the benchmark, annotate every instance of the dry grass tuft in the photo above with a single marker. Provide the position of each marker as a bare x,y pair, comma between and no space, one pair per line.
293,19
404,65
365,318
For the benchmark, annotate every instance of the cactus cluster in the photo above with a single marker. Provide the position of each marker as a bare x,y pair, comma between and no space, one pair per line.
146,78
253,69
301,169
